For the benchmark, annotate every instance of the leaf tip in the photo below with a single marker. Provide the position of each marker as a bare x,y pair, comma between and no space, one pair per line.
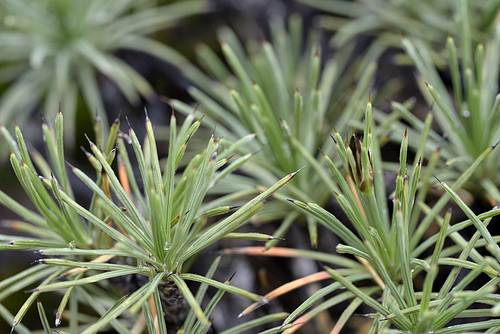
172,115
129,126
70,165
202,117
90,142
495,145
14,324
441,182
319,148
295,173
230,278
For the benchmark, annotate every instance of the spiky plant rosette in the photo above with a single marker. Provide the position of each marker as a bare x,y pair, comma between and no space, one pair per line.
385,21
284,92
143,229
54,52
468,115
384,262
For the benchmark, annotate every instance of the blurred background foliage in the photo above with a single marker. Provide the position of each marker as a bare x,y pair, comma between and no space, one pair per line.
62,52
385,22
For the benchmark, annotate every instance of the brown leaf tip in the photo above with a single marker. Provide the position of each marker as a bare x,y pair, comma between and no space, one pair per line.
319,148
70,166
202,117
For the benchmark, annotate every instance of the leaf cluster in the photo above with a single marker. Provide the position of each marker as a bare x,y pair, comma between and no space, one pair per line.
52,51
148,226
389,248
287,93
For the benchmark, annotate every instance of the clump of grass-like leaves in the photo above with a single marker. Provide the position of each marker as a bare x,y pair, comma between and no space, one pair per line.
285,94
145,229
388,249
469,115
385,21
53,49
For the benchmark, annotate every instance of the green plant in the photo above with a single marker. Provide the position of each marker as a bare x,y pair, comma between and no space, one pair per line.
148,231
388,253
469,114
385,21
283,93
53,51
